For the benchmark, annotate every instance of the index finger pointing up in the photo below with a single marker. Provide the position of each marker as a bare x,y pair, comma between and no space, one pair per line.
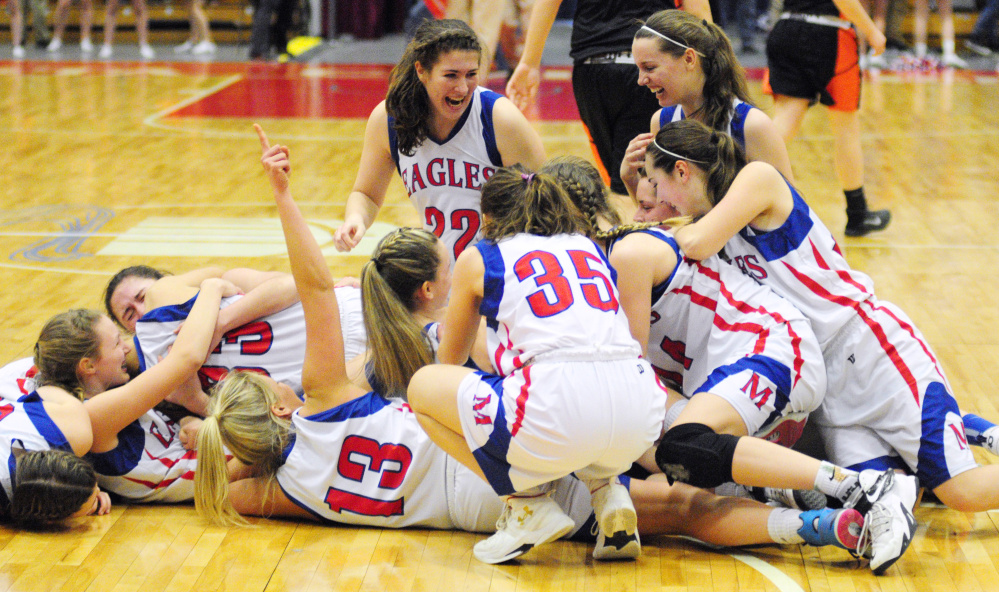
263,137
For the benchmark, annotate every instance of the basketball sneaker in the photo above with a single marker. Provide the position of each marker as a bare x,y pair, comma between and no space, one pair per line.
840,528
870,487
786,430
796,499
525,523
617,532
889,524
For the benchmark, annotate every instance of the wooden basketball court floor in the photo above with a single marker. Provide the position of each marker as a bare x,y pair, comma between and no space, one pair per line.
108,165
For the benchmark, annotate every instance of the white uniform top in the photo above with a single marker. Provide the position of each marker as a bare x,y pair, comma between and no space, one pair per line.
366,462
273,345
550,294
802,262
17,379
24,424
707,314
149,464
736,123
444,179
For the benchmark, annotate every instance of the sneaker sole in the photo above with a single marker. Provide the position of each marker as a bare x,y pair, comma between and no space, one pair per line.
557,531
622,523
849,525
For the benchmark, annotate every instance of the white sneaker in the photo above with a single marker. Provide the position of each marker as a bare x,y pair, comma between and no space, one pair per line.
617,532
105,52
18,52
184,47
525,523
951,60
871,486
146,52
54,45
86,46
796,499
890,524
204,48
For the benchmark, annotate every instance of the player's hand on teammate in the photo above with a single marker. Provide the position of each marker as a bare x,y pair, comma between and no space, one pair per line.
634,160
188,434
276,160
349,234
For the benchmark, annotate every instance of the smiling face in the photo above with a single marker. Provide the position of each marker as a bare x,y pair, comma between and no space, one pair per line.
650,208
683,189
450,84
128,300
109,367
674,80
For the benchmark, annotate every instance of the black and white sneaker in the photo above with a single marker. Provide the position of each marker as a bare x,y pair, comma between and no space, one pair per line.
889,525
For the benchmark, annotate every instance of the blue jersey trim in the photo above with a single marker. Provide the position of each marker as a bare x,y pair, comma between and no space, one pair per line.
666,115
777,243
738,124
932,468
139,354
660,289
457,127
125,456
776,372
488,99
47,428
364,406
492,280
169,314
393,143
492,455
302,505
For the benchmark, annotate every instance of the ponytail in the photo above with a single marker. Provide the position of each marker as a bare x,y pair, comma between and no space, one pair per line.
211,479
402,262
724,78
515,200
584,188
716,153
240,419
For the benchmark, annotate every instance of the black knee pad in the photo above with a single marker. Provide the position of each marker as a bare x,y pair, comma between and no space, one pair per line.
693,453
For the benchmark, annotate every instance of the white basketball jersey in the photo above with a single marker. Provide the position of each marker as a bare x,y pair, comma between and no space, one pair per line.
802,262
24,424
149,464
707,315
444,179
366,462
273,345
544,294
18,379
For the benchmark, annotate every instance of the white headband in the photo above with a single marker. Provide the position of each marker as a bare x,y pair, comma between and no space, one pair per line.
675,155
673,41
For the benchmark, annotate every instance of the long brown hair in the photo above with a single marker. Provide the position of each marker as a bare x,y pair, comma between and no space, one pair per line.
515,200
407,102
66,339
402,262
716,153
724,78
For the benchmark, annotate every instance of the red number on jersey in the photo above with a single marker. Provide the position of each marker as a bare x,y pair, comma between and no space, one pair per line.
359,455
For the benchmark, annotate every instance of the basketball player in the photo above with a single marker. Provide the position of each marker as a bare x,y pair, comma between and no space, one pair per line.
359,458
444,135
690,67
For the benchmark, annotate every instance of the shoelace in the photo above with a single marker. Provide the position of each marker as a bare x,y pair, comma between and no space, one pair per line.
876,523
504,517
